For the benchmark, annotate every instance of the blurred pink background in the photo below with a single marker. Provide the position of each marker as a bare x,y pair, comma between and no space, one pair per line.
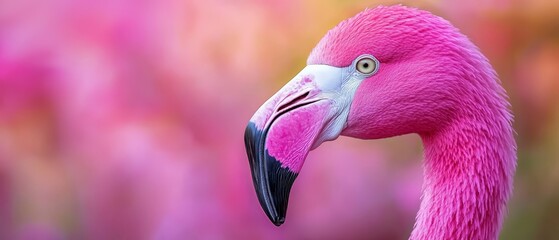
124,120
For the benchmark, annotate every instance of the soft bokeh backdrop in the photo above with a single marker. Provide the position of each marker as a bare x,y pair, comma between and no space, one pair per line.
124,119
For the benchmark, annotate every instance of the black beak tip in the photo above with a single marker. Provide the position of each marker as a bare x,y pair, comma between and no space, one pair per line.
279,221
272,182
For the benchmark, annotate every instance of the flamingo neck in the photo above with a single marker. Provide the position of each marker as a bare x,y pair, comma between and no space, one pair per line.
469,165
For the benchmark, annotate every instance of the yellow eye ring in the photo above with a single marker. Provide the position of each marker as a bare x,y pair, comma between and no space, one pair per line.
366,65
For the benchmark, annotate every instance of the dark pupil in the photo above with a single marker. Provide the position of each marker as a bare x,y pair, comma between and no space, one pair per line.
366,65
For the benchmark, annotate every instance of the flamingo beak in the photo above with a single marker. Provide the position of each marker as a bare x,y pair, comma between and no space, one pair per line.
310,109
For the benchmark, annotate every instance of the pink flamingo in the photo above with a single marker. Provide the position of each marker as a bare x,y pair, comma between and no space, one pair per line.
390,71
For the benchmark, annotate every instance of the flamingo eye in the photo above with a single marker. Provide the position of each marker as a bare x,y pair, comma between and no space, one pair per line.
367,65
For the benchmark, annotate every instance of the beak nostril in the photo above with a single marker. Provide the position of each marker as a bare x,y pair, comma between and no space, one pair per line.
293,101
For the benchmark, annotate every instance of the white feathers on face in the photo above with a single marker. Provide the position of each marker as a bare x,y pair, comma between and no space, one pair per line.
339,86
329,78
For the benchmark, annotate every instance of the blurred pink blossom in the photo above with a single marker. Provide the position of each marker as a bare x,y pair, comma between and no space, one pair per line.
125,119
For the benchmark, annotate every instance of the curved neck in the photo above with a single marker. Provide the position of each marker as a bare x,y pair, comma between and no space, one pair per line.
469,166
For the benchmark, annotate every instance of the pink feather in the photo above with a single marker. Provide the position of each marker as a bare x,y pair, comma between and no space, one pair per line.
433,81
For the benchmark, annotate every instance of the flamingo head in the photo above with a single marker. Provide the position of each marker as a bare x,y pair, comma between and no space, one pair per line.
384,72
